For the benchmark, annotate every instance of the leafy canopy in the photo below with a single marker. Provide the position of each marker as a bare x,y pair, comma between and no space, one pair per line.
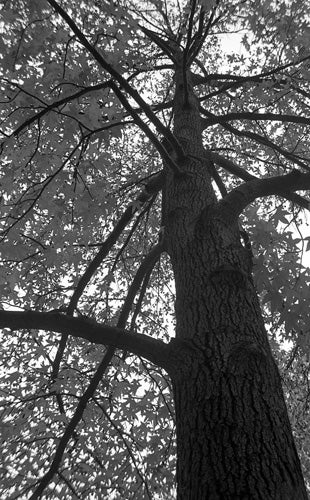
80,141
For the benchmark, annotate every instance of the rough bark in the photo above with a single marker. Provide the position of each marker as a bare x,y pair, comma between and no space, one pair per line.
233,434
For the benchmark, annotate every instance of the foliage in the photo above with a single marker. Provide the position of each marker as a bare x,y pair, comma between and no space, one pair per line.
75,158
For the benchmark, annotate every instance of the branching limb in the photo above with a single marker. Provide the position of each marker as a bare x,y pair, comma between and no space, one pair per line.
214,173
239,198
162,44
186,50
241,80
145,128
128,448
202,35
120,79
234,169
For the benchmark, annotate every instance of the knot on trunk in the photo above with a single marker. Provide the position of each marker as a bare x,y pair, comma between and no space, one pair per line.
247,357
232,274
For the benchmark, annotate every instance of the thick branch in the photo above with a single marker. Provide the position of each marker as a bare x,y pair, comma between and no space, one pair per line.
234,169
147,265
239,198
154,350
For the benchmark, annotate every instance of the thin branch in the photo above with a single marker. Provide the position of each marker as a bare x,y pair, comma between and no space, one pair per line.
185,61
198,43
240,80
150,189
137,222
57,104
129,451
45,183
261,140
146,265
96,379
144,286
256,116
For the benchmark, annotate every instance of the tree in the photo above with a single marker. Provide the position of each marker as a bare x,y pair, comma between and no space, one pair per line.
154,153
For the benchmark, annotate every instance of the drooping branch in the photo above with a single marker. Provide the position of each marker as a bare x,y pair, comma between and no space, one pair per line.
154,350
234,169
239,198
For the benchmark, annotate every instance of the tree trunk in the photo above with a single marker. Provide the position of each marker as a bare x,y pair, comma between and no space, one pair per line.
234,438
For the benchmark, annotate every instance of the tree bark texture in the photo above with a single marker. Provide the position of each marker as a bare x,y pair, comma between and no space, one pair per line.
234,438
